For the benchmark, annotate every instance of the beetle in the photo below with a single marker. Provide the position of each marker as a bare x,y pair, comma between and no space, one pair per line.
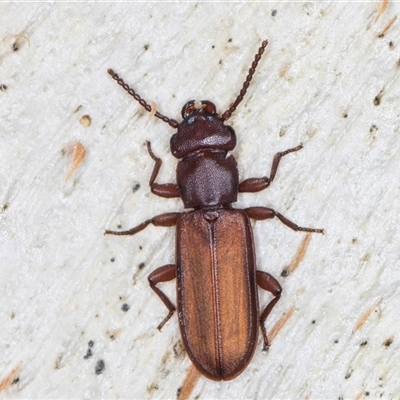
215,260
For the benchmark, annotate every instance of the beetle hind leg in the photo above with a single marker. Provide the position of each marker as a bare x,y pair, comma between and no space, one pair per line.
269,283
163,274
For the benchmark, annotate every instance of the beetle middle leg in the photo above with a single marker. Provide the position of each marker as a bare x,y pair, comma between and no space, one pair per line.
167,219
257,184
260,213
163,274
269,283
167,190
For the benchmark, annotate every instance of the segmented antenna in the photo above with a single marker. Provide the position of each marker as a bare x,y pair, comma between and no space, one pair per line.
171,122
227,114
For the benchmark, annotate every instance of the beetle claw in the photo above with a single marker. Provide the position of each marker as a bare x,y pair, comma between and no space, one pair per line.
266,347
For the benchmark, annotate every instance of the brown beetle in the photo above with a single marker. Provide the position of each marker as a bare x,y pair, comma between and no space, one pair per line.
215,264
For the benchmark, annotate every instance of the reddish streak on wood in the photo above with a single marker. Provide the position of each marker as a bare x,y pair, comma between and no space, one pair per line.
298,258
189,383
359,396
77,157
280,324
366,315
388,26
9,379
381,9
153,108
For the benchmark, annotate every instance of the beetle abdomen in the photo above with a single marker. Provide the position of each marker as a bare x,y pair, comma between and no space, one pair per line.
217,297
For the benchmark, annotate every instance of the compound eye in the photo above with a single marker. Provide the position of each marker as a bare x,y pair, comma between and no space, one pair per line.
188,109
208,107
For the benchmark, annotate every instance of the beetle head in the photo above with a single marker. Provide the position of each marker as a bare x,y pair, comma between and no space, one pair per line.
201,129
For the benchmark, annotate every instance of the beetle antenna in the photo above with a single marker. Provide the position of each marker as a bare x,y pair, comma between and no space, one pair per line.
227,114
171,122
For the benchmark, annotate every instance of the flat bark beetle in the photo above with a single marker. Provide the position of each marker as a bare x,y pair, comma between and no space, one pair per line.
215,261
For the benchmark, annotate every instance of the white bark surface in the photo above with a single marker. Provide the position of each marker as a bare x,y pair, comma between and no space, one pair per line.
329,79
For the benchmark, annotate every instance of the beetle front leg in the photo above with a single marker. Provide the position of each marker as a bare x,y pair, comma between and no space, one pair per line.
163,274
260,213
167,190
167,219
269,283
257,184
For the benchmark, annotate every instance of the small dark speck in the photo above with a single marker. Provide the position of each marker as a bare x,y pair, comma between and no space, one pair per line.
125,307
140,248
88,354
336,341
90,343
284,273
354,240
366,393
119,226
100,366
373,129
345,115
398,63
377,99
220,62
15,46
112,259
142,265
229,40
273,13
16,380
213,47
313,321
146,46
348,375
136,187
178,391
391,45
3,87
388,342
364,343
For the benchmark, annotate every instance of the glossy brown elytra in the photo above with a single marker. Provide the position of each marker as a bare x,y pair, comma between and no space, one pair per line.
215,265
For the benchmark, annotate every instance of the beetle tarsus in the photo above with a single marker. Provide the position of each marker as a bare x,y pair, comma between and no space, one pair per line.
253,185
266,347
170,314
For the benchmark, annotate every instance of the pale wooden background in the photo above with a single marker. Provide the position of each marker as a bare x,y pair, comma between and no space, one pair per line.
329,79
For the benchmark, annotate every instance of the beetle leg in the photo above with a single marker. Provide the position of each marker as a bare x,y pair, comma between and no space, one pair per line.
167,219
260,213
257,184
269,283
163,274
168,190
